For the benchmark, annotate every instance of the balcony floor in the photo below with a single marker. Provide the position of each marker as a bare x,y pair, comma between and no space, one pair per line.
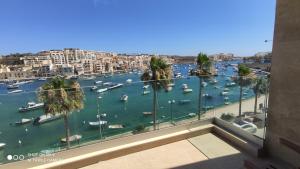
205,151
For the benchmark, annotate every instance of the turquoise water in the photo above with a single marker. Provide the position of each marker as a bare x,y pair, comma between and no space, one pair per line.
47,136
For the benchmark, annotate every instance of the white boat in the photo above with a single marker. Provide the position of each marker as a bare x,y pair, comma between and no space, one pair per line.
12,86
146,92
102,90
168,89
72,138
226,103
102,115
31,106
15,91
88,77
128,80
224,93
115,86
204,84
226,89
184,86
147,113
226,98
146,86
187,90
107,83
97,123
46,118
124,97
171,85
214,81
98,82
23,121
230,84
2,145
192,114
116,126
42,79
94,88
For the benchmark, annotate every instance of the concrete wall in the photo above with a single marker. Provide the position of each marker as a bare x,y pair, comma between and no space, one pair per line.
284,113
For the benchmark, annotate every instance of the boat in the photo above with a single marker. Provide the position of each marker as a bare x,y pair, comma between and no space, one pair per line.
206,95
116,126
15,91
224,93
102,115
226,98
204,84
171,85
168,89
128,80
93,88
31,106
146,86
230,84
115,86
23,121
72,138
124,98
46,118
226,89
97,123
147,113
98,82
2,145
42,79
214,81
192,114
184,86
88,77
107,83
187,90
146,92
184,101
12,86
226,103
102,90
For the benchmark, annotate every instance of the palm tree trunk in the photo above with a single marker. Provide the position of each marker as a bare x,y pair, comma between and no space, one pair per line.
241,94
255,102
67,130
154,105
200,98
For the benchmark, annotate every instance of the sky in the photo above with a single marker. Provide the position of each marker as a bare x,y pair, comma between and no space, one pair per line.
181,27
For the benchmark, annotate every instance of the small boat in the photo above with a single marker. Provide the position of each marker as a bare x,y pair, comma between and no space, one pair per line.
226,89
168,89
2,145
171,85
31,106
184,86
115,86
102,115
72,138
184,101
146,92
245,93
93,88
124,97
187,90
147,113
46,118
97,123
42,79
15,91
192,114
102,90
230,84
157,121
224,93
23,121
146,86
116,126
128,80
12,86
88,77
214,81
97,82
204,84
226,103
226,98
107,83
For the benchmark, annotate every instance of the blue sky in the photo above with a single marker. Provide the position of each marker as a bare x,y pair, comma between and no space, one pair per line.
183,27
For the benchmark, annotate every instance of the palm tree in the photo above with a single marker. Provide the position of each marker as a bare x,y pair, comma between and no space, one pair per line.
61,97
243,80
203,71
159,77
260,87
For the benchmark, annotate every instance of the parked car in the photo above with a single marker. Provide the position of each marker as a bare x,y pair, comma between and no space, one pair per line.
247,126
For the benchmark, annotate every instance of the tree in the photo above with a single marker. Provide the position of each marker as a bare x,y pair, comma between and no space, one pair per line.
203,71
260,87
61,97
243,80
159,77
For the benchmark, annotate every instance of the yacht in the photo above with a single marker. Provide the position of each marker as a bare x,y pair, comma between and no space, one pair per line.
146,92
107,83
187,90
93,88
226,89
192,114
97,123
147,113
230,84
102,90
31,106
124,97
42,79
2,145
88,77
72,138
12,86
98,82
128,80
204,84
116,126
146,86
46,118
184,86
115,86
171,85
15,91
23,121
224,93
